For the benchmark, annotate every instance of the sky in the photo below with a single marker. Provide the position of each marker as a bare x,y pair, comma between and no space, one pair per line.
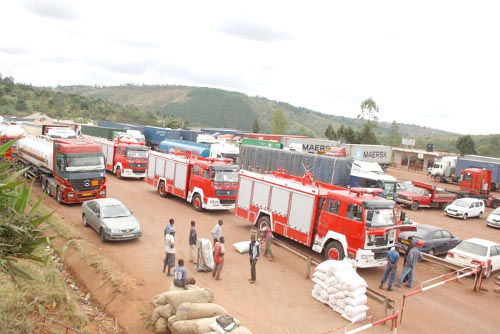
430,63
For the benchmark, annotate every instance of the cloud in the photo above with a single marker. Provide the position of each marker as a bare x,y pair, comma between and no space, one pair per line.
135,44
132,68
59,10
12,49
254,31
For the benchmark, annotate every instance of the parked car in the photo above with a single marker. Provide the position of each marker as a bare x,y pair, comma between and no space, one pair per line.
111,219
493,219
476,251
429,239
465,208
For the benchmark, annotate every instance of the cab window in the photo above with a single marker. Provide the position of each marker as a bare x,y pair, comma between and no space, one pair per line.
354,212
206,173
196,170
438,235
332,206
494,251
467,177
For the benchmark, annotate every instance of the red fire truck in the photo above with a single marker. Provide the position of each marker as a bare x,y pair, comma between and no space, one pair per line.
71,170
329,219
10,132
207,183
125,157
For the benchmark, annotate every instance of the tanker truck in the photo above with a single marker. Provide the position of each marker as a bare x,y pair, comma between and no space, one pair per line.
71,170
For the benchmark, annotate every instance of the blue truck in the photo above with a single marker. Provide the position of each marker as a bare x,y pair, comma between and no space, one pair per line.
477,161
174,146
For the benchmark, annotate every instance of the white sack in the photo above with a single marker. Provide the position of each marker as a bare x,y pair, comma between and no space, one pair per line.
242,247
345,275
355,282
353,311
357,318
324,294
361,300
341,304
340,295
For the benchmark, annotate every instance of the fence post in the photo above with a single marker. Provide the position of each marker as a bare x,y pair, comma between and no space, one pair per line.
308,267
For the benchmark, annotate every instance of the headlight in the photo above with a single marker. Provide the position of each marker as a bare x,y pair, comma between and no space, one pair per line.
137,229
102,192
392,236
71,195
114,230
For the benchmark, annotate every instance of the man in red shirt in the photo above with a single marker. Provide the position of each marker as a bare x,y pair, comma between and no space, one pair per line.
268,238
218,258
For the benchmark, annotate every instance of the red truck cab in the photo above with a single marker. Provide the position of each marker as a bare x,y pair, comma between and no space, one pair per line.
420,194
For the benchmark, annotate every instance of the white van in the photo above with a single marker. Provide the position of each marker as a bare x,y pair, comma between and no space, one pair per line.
465,208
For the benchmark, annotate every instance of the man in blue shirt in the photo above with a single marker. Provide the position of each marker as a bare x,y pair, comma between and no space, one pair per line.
180,276
169,226
392,267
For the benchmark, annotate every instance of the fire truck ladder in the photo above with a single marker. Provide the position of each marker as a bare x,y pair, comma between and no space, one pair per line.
446,278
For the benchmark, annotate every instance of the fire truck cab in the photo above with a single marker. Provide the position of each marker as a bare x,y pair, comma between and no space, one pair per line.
331,220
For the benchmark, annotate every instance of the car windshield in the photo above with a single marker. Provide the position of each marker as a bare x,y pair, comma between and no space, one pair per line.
388,187
461,203
379,217
115,211
473,248
84,162
225,175
417,190
420,233
496,211
137,154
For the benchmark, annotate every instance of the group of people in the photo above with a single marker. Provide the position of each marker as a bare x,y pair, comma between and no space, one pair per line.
412,257
180,272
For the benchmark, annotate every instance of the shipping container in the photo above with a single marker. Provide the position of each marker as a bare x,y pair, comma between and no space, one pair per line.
182,146
380,154
263,143
309,145
99,131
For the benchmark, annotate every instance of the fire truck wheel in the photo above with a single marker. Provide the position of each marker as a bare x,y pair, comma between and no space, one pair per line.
162,189
58,195
334,251
438,178
197,203
85,222
263,222
495,203
414,205
118,172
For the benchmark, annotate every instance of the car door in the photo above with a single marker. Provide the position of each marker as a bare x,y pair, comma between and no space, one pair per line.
437,242
449,241
90,214
495,257
477,209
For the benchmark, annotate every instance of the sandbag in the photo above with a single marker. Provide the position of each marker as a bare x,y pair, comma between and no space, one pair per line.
320,275
241,330
324,294
317,288
353,311
358,317
188,286
171,321
195,326
156,314
332,290
341,303
166,311
315,294
242,246
361,300
176,298
345,275
161,299
188,311
316,280
355,293
355,282
339,295
161,326
332,300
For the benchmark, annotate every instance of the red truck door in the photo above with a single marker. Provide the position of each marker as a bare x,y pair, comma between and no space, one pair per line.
353,225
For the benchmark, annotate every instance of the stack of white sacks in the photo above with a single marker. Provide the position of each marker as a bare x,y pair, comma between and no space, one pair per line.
339,286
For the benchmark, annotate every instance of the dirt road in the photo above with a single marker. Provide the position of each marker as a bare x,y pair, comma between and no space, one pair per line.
280,301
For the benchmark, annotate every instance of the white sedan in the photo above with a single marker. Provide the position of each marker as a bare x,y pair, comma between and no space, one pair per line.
476,252
493,219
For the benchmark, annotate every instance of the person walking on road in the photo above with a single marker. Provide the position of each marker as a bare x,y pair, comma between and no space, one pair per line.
169,226
410,246
414,256
268,238
391,269
218,258
180,276
193,238
254,253
217,231
169,251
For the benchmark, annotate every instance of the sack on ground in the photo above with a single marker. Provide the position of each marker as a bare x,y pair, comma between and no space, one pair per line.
161,298
320,275
242,247
345,275
355,283
341,304
324,294
332,300
156,314
166,311
358,317
188,311
339,295
361,300
353,311
161,326
355,293
176,298
195,326
171,321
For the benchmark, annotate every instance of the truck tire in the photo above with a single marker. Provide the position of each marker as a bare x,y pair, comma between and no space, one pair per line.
334,251
495,203
197,203
118,172
414,205
438,178
263,222
45,185
58,195
494,187
162,190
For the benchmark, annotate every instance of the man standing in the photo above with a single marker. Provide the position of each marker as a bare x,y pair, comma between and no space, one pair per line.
193,237
169,226
218,258
392,268
180,276
268,238
169,251
414,256
217,231
254,253
410,246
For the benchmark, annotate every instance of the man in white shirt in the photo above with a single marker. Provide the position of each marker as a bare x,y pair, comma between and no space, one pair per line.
169,251
217,231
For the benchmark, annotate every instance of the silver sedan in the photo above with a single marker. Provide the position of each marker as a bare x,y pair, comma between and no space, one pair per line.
111,219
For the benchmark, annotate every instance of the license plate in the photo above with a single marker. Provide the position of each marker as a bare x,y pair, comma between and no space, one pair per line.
95,183
463,257
128,235
87,194
389,197
405,242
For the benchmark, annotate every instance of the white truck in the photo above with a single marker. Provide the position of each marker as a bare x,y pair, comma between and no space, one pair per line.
445,169
220,148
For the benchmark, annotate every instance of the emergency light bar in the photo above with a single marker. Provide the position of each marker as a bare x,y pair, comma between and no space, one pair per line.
362,191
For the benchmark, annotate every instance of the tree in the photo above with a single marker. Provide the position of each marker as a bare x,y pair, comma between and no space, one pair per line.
303,131
366,135
330,133
341,132
369,111
279,122
256,127
466,145
394,138
350,135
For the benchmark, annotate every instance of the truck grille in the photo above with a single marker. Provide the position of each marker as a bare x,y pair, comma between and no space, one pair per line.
380,255
228,192
85,184
139,171
226,201
138,165
381,240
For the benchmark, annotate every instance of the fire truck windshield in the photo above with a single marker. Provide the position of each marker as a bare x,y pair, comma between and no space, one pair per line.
84,162
379,217
137,154
225,174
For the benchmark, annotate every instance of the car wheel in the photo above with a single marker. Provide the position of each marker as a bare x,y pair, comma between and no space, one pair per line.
102,235
414,205
465,216
85,221
480,215
432,252
495,203
162,190
487,273
118,172
197,203
58,195
334,251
